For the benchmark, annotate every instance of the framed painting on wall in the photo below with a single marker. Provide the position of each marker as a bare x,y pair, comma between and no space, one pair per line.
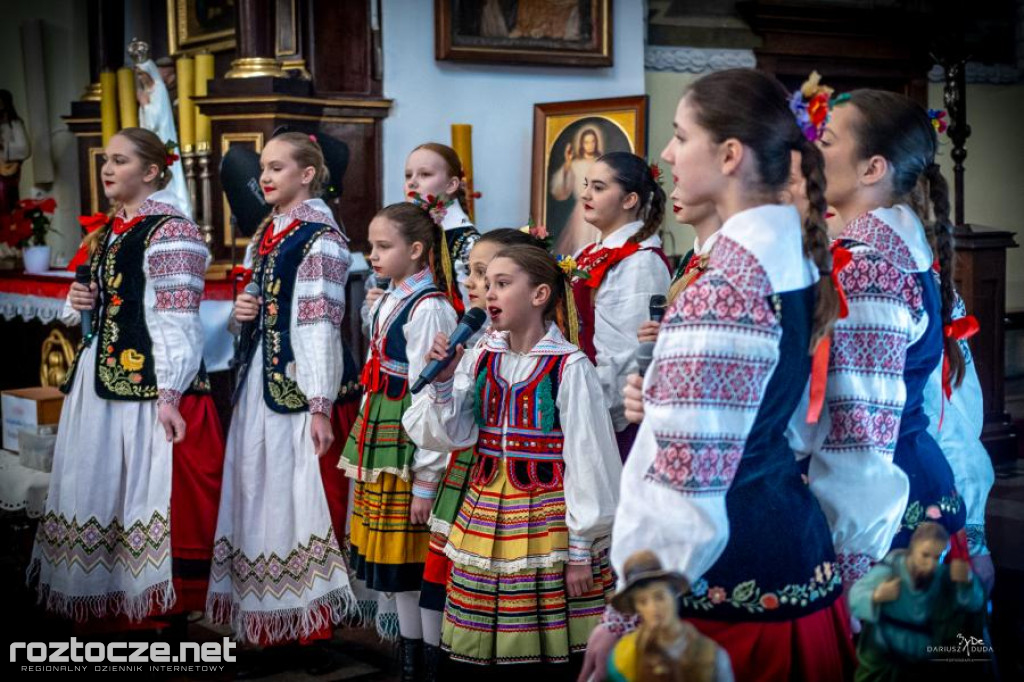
568,137
559,32
194,25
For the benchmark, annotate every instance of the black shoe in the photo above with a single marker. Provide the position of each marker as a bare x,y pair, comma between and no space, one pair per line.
431,662
411,652
321,658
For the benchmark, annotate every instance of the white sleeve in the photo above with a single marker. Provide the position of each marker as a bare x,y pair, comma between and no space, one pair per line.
441,415
318,306
622,304
688,448
592,465
175,267
563,181
19,148
859,487
68,315
430,316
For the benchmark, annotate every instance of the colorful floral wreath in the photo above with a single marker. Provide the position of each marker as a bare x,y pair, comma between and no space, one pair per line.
810,105
169,154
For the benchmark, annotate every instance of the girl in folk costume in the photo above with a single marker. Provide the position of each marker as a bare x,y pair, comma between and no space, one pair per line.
128,529
625,202
435,180
452,489
279,574
396,481
712,485
877,146
530,572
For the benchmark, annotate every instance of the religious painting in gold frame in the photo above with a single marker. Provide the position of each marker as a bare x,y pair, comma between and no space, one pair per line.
559,32
568,137
194,25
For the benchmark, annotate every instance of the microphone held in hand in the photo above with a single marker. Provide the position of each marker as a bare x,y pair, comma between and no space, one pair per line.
83,275
471,323
383,283
252,289
644,355
657,307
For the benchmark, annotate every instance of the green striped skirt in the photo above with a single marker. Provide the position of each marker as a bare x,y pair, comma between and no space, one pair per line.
377,442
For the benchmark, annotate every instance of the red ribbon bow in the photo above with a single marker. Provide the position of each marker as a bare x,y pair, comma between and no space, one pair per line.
89,223
121,226
960,329
841,257
48,205
241,275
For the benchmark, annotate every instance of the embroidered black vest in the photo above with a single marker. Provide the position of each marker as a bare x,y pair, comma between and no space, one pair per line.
532,442
276,274
459,238
125,368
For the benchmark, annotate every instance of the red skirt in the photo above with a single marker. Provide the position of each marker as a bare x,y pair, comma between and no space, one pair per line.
815,648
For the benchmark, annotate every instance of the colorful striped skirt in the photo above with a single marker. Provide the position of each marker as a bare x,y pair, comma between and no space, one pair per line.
450,495
387,551
507,601
377,442
523,617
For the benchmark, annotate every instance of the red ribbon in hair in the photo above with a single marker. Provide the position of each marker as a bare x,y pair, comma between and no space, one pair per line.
841,257
960,330
89,223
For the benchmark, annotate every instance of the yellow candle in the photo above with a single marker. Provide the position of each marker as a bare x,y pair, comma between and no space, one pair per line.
108,105
462,143
204,72
186,77
126,100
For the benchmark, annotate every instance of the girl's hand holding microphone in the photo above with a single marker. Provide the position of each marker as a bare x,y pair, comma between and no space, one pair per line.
83,297
247,307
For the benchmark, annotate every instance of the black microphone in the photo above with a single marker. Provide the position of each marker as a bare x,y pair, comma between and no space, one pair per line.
644,356
471,323
657,307
383,283
83,275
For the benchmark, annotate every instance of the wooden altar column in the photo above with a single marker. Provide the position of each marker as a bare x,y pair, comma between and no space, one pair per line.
254,35
981,281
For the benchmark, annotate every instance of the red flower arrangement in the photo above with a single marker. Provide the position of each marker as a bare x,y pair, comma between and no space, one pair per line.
28,224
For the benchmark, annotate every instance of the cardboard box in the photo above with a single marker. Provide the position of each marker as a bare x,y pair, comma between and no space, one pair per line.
28,408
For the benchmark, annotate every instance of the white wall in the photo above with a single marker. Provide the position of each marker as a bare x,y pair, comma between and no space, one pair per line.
496,100
66,57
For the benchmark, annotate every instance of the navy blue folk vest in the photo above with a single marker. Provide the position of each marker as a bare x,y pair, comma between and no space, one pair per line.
779,561
917,453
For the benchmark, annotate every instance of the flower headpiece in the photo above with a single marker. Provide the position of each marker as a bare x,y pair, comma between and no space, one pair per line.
437,206
169,155
810,105
539,233
656,172
938,119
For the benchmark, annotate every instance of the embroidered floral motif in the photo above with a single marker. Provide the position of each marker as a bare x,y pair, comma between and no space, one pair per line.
869,276
91,544
859,423
175,228
323,266
320,405
873,349
744,270
726,381
853,567
713,300
168,396
696,464
132,360
169,262
869,229
316,309
178,300
749,597
275,576
947,505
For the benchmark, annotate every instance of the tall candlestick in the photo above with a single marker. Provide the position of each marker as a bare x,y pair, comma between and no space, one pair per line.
108,105
462,143
126,100
186,79
204,72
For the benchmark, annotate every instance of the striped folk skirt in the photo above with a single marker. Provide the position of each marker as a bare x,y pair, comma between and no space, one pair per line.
507,599
387,552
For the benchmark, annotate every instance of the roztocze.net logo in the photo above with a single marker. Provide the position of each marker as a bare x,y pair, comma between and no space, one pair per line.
122,656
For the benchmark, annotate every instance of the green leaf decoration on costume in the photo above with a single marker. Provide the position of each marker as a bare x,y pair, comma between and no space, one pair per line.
744,591
478,398
546,403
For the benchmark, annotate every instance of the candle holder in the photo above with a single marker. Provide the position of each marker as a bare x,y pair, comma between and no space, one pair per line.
205,177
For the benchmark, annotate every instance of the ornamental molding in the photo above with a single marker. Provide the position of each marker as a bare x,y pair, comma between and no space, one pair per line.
695,59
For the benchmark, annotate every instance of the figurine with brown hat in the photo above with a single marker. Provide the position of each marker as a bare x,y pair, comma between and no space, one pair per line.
664,648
